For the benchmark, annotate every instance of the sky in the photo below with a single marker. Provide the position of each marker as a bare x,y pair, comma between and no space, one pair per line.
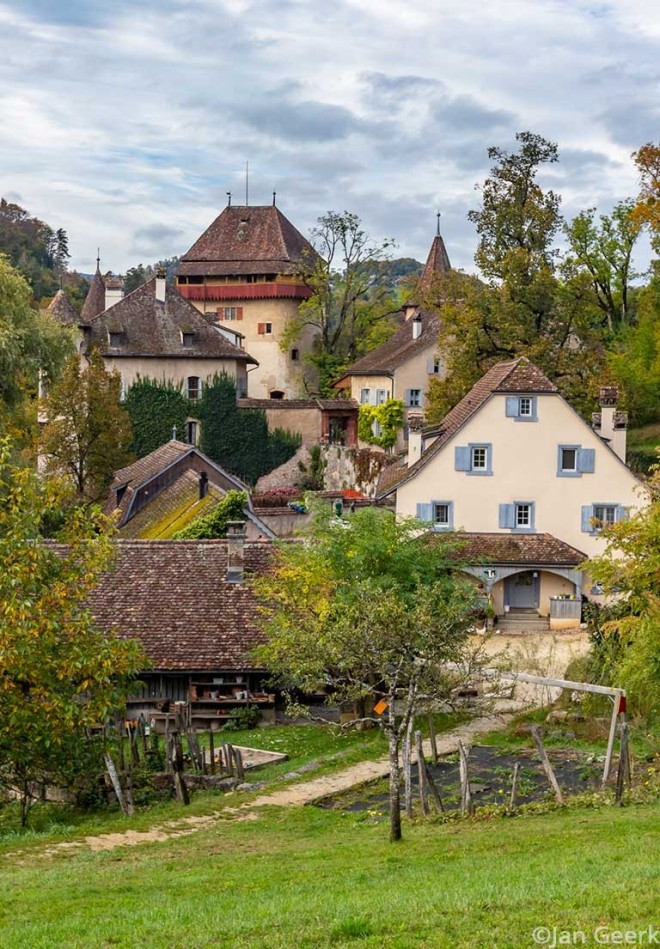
126,123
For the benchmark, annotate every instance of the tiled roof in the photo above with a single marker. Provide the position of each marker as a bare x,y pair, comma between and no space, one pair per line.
249,240
62,310
538,549
173,596
176,503
322,404
518,375
153,328
95,299
436,263
398,349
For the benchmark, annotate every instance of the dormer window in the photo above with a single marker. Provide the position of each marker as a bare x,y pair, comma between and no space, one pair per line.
115,338
188,339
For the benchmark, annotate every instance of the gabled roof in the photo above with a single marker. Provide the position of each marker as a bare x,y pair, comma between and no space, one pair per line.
537,549
62,310
436,263
397,350
152,328
95,299
174,597
518,375
245,240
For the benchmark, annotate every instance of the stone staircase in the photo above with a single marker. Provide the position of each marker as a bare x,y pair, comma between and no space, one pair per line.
522,621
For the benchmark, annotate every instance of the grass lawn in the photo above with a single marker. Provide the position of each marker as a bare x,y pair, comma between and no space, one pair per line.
310,879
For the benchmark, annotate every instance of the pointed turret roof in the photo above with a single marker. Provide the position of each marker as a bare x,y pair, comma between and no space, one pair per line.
95,299
62,310
437,262
248,240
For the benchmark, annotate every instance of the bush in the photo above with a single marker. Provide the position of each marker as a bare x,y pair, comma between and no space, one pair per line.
242,719
214,525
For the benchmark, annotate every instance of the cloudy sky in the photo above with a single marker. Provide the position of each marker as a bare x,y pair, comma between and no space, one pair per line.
127,122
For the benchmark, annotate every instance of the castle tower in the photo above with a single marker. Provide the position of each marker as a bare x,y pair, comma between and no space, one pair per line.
245,270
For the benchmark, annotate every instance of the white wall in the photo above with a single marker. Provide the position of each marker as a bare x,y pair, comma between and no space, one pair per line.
524,464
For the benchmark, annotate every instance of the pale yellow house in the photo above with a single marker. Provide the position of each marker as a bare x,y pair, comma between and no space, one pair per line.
514,458
153,333
402,366
244,273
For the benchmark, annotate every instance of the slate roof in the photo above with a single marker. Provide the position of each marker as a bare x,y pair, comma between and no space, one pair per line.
95,299
436,263
537,549
62,310
518,375
173,596
153,328
397,350
248,240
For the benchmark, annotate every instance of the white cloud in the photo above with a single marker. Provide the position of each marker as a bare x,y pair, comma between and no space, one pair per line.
127,123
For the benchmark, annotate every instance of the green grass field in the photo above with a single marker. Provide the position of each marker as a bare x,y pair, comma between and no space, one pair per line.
309,878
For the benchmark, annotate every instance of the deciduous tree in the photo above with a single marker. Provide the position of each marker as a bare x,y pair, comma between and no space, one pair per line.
87,431
58,673
370,609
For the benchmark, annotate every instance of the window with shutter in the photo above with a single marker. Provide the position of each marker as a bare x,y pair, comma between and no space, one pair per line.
586,460
521,407
424,512
365,395
462,458
573,461
475,459
381,396
442,515
597,516
507,516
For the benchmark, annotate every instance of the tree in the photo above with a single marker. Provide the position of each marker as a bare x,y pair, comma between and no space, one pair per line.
522,308
137,276
351,299
58,674
87,431
604,251
34,248
627,647
30,342
368,608
647,207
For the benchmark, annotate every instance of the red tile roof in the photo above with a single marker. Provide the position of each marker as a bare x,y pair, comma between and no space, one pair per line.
397,350
245,240
173,596
436,263
153,328
95,299
62,310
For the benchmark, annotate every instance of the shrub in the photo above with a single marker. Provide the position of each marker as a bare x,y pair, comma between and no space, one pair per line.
214,525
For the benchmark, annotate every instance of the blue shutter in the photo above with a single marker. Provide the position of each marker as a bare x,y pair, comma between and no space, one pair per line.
461,459
425,512
586,460
430,365
621,513
507,515
406,397
512,406
587,515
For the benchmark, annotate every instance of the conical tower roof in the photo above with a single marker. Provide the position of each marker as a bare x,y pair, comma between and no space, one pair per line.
62,310
436,263
95,299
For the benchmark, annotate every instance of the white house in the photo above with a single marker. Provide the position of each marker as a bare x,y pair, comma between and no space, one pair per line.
514,458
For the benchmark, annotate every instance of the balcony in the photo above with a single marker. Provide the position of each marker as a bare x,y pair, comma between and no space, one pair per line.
244,291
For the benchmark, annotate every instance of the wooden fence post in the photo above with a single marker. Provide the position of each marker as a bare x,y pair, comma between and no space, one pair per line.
421,773
407,776
547,767
624,764
513,800
467,805
435,794
212,750
116,784
432,739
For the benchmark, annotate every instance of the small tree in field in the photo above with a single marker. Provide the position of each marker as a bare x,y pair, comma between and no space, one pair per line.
58,673
371,609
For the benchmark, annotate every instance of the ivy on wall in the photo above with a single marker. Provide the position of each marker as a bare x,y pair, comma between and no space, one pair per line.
236,438
379,424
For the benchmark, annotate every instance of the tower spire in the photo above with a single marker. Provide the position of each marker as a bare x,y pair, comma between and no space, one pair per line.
98,260
438,215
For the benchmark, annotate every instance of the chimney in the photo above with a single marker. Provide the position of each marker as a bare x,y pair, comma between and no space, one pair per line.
160,285
415,423
114,291
416,326
610,424
235,551
203,485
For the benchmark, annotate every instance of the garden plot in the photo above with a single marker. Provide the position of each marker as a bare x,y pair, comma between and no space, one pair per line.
490,772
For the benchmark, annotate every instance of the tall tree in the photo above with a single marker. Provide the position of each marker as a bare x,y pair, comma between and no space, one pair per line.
371,609
87,431
351,298
647,208
522,307
33,247
58,674
30,342
604,251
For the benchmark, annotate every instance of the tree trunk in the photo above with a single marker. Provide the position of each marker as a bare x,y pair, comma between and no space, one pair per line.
395,778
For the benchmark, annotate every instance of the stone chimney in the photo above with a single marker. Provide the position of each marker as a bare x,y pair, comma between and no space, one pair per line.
160,285
114,290
415,424
416,326
610,424
235,551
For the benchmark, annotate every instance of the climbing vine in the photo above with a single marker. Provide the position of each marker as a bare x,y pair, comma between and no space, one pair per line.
155,409
214,525
379,424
